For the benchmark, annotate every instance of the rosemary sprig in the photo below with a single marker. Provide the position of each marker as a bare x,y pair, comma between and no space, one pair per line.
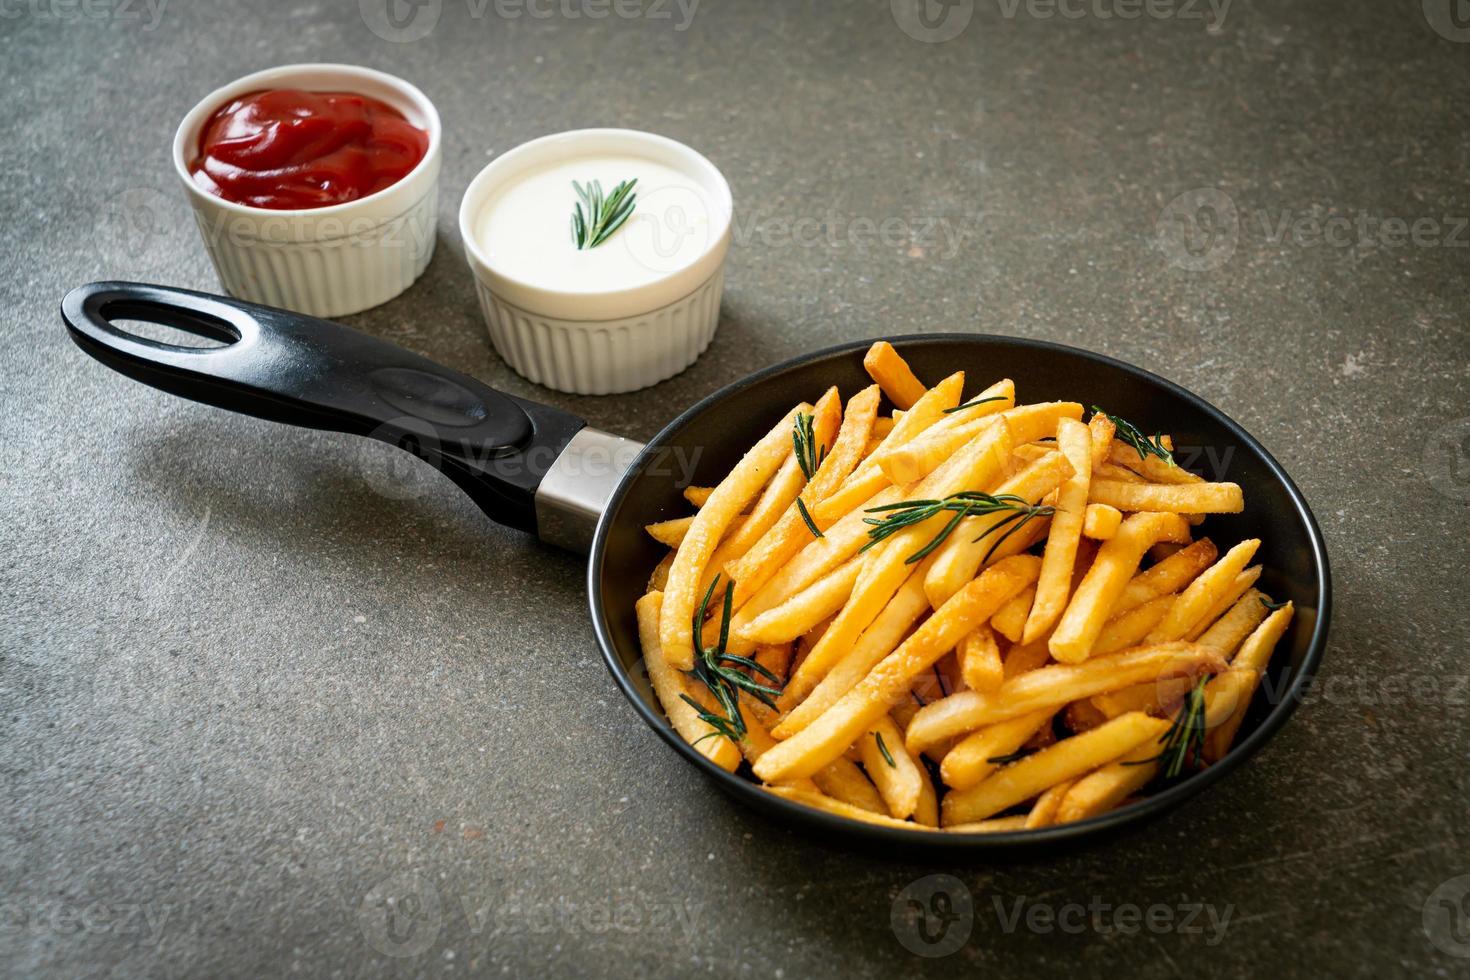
809,452
964,504
972,404
887,756
726,683
1184,741
1272,606
1142,444
806,516
604,215
1009,757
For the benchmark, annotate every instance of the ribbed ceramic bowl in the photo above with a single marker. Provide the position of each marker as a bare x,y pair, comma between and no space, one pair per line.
325,261
603,342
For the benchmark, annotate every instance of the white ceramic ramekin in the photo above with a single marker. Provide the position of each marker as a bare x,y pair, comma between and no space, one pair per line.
600,343
325,261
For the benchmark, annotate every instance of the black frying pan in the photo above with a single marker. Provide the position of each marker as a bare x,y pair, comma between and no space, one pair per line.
543,470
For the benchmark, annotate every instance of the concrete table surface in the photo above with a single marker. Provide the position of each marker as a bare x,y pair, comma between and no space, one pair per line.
255,682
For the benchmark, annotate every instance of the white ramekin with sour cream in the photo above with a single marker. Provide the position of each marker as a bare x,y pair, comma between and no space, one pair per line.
626,314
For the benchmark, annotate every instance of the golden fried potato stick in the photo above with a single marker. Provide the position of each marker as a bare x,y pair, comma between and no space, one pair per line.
775,657
1081,716
698,495
1244,581
907,462
772,503
875,643
969,761
669,532
1043,812
1247,667
869,478
843,780
1066,760
839,726
668,684
1187,498
820,801
1100,522
1204,593
681,596
979,656
1168,576
1129,628
788,535
960,558
1010,619
802,612
885,366
1023,658
1053,687
660,575
899,778
1103,430
1151,468
1055,585
888,564
996,825
1117,560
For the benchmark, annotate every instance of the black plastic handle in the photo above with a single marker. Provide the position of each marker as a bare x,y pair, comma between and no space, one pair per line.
287,367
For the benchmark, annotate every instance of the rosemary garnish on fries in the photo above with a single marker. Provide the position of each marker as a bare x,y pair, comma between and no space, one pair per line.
883,748
725,683
1184,741
964,504
1142,444
1272,606
806,516
809,453
972,404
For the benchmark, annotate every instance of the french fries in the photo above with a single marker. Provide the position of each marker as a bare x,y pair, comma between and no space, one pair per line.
1009,589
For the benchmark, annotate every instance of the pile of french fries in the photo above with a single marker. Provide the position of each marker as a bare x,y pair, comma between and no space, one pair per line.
971,615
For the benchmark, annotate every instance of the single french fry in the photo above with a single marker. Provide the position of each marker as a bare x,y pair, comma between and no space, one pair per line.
698,495
843,780
1249,664
821,801
869,478
1100,791
1187,498
669,532
1228,632
979,656
1151,468
829,735
803,611
791,533
881,427
995,825
1055,584
927,812
969,761
1116,561
1010,619
660,576
1117,474
1082,716
1243,583
888,564
897,775
676,630
669,685
915,459
1100,522
1103,429
1053,687
968,546
774,501
1170,575
885,366
1023,658
1129,628
1203,593
875,643
1066,760
775,657
1043,812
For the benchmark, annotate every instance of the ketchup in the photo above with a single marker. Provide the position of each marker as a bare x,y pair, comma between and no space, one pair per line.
290,150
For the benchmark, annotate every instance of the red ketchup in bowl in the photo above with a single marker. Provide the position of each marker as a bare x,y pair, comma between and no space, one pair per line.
289,150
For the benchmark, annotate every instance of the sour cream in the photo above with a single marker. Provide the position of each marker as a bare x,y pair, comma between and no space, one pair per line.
523,229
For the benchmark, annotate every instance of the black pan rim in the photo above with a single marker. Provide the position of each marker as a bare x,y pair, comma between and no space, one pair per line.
905,839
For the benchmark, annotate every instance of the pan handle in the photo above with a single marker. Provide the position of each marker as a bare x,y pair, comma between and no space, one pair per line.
292,368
